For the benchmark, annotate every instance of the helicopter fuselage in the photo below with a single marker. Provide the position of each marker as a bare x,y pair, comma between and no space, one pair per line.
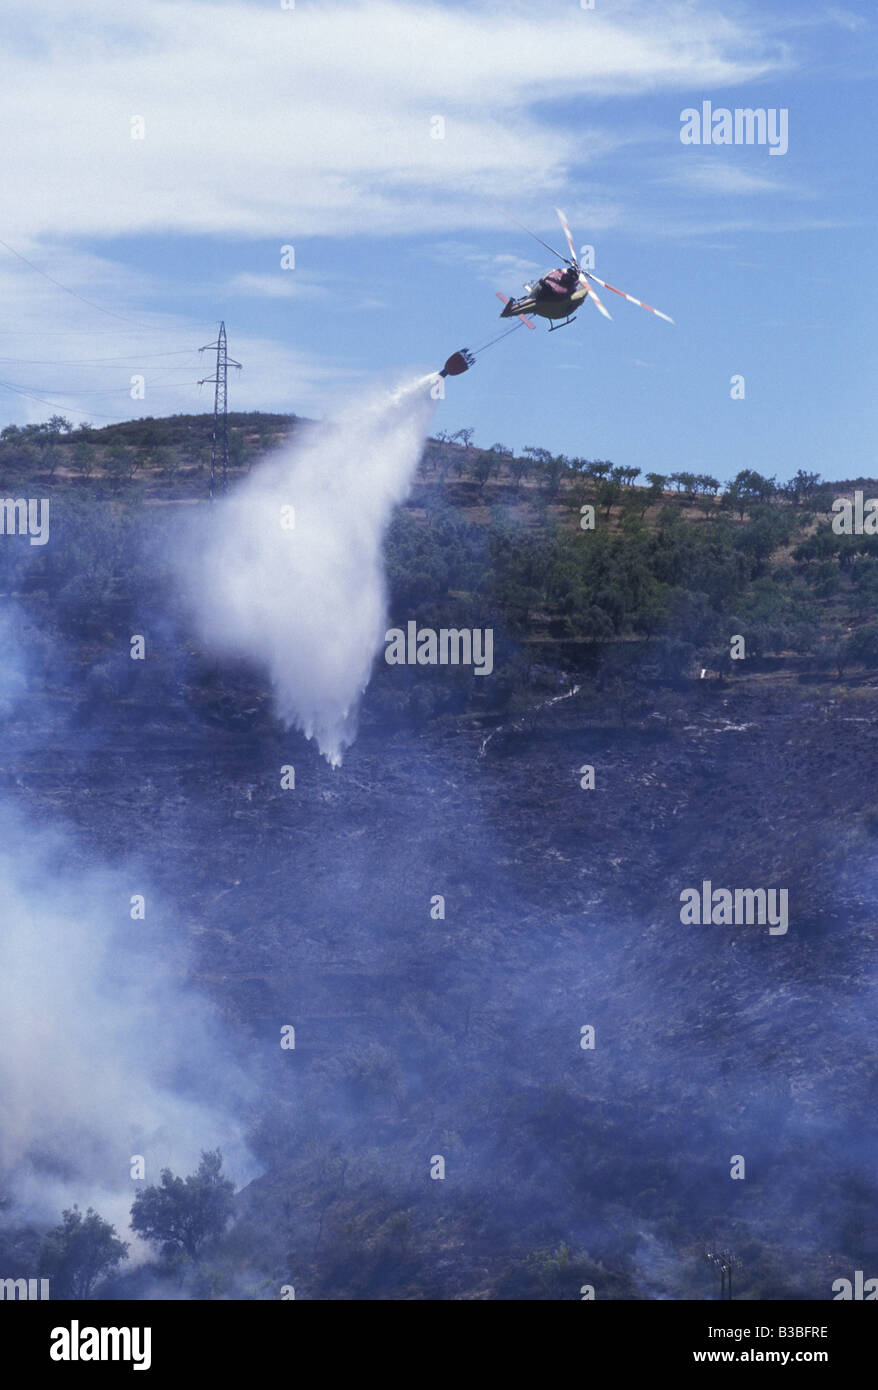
559,292
549,298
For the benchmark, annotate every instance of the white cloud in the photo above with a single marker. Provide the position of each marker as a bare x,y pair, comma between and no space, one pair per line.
317,120
846,19
681,227
830,16
279,124
283,284
719,175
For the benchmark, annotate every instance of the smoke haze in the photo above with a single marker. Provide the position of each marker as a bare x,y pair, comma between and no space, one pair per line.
106,1051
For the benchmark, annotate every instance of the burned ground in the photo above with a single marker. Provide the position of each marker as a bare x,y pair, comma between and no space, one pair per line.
418,1035
460,1037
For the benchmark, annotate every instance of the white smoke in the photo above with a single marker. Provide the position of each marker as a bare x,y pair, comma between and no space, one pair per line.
105,1052
106,1049
307,601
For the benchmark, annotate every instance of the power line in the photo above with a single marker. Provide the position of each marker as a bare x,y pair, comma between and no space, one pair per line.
93,361
84,332
178,389
8,386
171,375
150,328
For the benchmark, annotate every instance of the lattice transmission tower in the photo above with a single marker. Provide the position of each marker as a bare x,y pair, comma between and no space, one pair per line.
219,447
725,1262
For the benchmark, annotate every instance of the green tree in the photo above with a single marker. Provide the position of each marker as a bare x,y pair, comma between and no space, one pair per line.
555,469
802,487
687,481
83,458
625,475
166,461
520,468
706,484
458,462
119,463
748,487
541,456
79,1252
862,645
50,456
608,493
236,449
183,1213
484,467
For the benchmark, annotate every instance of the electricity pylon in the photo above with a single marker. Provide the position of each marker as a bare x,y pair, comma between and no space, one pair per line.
725,1262
219,447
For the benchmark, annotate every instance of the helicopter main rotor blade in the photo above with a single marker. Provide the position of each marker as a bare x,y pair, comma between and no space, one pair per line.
535,237
630,297
593,294
569,235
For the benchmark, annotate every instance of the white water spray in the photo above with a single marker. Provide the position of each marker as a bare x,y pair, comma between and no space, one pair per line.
288,571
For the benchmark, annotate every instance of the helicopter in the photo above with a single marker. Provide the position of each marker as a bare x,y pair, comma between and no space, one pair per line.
559,293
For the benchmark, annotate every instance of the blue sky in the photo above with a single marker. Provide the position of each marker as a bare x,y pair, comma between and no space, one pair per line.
311,127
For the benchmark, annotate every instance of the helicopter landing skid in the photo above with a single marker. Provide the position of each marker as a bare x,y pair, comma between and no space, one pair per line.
554,328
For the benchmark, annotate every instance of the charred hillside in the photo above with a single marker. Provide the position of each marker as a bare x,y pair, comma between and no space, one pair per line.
456,1032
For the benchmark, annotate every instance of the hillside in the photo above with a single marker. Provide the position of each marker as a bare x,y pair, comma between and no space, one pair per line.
670,570
460,1036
